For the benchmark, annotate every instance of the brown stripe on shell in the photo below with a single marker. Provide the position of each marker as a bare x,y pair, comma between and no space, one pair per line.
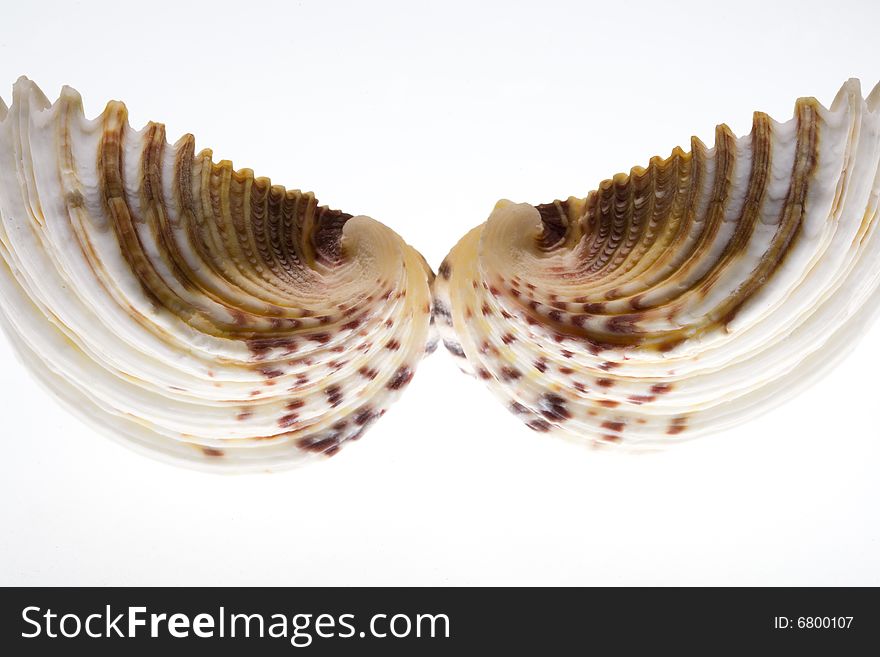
555,222
805,162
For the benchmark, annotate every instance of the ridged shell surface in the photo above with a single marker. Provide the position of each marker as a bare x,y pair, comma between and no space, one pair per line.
196,312
682,298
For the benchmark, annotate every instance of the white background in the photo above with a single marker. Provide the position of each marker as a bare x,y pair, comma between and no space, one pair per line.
422,116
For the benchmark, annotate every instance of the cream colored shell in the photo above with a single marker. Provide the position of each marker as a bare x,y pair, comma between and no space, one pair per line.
682,298
193,311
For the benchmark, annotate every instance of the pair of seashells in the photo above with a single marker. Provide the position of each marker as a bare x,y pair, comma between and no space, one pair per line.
204,315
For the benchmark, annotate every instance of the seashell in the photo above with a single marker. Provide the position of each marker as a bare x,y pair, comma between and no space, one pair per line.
196,312
685,297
